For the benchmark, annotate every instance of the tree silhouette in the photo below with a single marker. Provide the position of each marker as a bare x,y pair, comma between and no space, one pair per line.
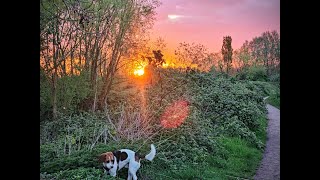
227,51
158,60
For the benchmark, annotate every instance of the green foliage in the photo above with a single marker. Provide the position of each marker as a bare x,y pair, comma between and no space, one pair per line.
242,158
80,173
223,134
75,174
264,88
275,77
235,128
83,163
69,134
71,91
274,100
45,97
230,107
253,73
257,73
220,108
270,90
82,158
239,160
266,48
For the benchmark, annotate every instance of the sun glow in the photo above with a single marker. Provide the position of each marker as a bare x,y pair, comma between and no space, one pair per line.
172,16
138,72
165,65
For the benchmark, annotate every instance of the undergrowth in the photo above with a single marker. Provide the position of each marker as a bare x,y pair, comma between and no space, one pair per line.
223,136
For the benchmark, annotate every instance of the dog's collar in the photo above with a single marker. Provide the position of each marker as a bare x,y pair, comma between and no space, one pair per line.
105,168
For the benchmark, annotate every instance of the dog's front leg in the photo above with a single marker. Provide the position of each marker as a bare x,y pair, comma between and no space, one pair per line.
129,176
134,176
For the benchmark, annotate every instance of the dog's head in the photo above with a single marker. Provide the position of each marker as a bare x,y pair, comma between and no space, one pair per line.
109,163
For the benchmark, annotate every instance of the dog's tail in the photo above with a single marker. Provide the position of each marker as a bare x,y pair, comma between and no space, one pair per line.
152,153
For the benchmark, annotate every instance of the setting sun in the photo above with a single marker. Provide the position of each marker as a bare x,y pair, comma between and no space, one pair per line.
138,72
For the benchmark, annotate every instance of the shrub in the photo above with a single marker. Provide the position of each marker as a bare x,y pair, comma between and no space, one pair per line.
71,90
219,107
257,73
231,108
275,77
75,174
45,97
253,73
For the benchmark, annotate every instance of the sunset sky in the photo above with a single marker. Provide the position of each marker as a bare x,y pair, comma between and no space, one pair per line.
207,21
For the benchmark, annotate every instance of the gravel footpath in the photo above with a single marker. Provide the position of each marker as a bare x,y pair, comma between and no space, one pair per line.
269,168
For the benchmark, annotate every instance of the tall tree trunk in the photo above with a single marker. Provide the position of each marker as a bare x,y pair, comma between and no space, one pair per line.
71,62
54,95
94,78
54,81
108,80
80,59
86,55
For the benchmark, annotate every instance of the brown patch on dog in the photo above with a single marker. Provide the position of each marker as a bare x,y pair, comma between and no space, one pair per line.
120,155
138,156
123,156
105,157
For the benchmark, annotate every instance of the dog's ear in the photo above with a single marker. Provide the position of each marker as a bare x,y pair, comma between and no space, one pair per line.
109,156
102,158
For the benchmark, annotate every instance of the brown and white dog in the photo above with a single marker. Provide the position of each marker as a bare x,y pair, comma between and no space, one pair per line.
114,161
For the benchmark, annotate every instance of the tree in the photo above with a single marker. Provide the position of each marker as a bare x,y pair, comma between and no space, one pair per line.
160,44
90,38
243,56
57,42
265,50
218,60
133,17
192,55
158,60
227,52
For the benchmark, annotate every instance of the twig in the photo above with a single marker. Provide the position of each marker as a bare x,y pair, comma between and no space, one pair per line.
97,138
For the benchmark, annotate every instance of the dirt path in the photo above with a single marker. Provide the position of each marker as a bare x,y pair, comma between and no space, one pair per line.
269,168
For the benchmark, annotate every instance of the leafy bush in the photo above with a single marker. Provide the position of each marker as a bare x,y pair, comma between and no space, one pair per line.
74,131
253,73
235,128
274,100
80,173
231,107
257,73
71,90
264,88
83,158
275,77
219,107
75,174
45,97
